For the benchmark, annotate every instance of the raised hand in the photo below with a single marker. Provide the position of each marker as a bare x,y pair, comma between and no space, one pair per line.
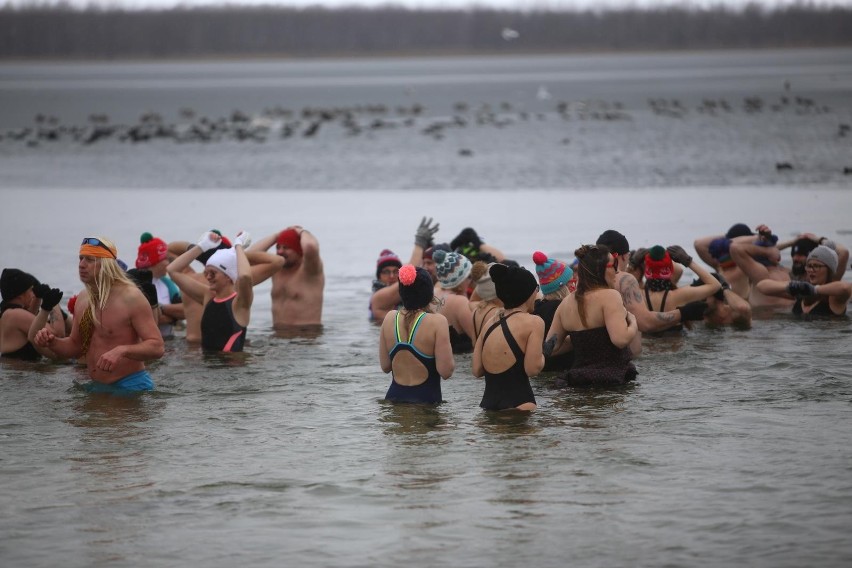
425,232
679,255
243,239
40,290
50,297
208,240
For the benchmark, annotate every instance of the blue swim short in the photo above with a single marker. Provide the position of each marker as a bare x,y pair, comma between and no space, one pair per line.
136,382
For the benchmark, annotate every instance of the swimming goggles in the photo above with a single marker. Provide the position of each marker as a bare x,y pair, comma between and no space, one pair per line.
97,243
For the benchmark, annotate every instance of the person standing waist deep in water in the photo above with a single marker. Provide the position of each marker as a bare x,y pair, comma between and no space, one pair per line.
228,295
414,344
594,322
516,348
113,325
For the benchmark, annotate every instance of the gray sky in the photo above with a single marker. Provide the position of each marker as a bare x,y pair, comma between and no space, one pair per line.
503,4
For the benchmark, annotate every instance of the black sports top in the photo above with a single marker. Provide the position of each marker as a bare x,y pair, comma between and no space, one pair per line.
821,308
219,330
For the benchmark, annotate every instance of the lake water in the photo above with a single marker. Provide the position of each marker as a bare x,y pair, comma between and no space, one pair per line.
731,448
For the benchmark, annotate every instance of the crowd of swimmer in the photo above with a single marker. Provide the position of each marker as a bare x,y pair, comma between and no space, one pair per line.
120,319
582,319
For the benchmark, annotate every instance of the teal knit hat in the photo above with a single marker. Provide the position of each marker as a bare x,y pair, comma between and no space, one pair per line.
552,274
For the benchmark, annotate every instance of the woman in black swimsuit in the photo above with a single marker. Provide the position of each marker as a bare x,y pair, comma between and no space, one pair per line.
23,296
510,349
661,294
595,324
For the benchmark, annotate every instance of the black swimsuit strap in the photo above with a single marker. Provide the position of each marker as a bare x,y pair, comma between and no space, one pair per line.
510,339
482,322
648,300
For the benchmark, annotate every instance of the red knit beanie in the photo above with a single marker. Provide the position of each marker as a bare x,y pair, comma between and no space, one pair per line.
151,251
658,264
291,239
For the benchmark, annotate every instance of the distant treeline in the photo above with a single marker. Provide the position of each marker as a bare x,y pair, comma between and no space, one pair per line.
64,32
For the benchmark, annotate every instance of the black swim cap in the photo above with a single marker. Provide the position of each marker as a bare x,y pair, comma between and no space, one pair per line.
615,241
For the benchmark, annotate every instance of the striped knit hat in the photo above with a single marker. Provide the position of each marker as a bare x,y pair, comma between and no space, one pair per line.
552,274
452,268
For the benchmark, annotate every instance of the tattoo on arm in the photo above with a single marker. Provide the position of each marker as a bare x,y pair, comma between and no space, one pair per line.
629,290
666,317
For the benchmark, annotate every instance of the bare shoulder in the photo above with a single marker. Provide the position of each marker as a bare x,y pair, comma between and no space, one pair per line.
82,301
389,317
628,287
612,296
18,318
439,319
534,321
130,294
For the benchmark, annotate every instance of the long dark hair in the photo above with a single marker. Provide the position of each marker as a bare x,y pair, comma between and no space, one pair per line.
591,273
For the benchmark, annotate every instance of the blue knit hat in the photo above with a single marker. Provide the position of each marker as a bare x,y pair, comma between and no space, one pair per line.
552,274
452,268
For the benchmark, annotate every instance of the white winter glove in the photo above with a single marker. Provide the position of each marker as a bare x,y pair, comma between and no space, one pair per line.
243,239
208,240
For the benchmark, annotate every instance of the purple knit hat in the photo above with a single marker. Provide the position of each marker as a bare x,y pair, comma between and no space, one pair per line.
386,258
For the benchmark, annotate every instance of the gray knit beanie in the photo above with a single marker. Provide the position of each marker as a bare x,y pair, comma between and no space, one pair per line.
826,256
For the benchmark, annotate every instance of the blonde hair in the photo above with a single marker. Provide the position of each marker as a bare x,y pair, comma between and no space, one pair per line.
558,294
108,274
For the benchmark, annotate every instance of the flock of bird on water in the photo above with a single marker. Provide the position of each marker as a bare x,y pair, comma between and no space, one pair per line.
282,123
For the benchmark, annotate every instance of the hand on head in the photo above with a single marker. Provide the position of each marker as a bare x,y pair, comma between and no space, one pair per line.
243,239
209,240
679,255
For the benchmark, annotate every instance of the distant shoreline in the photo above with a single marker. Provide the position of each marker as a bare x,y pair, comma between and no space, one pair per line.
264,32
276,57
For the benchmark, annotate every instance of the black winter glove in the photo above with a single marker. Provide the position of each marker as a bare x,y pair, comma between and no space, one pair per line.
40,290
50,298
679,255
799,289
693,311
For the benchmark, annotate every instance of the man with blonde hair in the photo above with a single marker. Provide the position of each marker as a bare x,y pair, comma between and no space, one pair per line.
113,327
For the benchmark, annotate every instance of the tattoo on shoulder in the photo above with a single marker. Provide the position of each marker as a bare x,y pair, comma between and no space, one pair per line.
629,289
